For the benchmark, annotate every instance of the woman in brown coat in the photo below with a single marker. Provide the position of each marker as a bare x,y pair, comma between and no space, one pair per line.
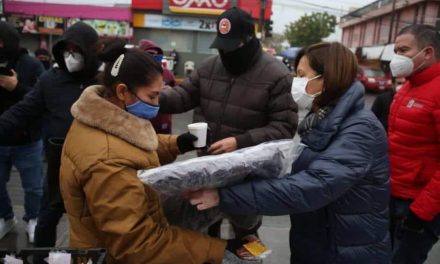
109,140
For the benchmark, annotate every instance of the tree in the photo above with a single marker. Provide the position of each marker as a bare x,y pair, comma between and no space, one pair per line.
310,29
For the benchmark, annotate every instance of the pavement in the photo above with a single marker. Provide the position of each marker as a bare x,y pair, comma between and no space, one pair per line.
274,231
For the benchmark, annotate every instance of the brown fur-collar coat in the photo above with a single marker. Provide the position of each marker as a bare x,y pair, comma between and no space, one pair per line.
107,204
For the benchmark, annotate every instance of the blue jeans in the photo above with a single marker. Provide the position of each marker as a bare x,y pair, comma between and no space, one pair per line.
410,247
28,161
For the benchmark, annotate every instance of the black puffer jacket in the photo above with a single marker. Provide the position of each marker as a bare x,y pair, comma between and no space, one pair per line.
254,107
28,71
57,89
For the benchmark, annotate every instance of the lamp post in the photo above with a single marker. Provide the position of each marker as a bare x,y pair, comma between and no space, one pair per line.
261,20
393,13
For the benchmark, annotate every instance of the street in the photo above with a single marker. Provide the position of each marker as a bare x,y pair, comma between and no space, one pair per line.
274,231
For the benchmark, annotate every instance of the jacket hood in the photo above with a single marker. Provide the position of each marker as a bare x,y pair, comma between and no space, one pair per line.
148,45
93,110
86,38
352,100
11,41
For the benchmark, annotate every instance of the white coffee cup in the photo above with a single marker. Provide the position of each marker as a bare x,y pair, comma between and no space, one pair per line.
199,130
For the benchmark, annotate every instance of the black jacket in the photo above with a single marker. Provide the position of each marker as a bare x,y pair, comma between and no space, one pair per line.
57,89
254,107
28,71
381,107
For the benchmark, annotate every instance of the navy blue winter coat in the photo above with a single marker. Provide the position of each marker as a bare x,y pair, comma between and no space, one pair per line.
28,71
337,195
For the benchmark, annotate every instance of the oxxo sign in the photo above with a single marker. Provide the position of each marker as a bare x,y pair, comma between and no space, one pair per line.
207,7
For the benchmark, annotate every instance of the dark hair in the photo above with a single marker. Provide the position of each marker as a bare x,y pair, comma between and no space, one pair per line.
336,64
425,35
41,51
137,68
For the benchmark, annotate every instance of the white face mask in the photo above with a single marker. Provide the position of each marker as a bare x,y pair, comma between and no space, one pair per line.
301,97
402,66
398,87
74,61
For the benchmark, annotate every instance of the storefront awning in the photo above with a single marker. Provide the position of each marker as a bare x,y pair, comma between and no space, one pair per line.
68,10
373,53
387,53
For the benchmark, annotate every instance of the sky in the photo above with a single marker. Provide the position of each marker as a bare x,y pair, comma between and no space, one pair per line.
286,11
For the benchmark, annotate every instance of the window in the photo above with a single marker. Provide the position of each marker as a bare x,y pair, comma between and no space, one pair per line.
374,73
204,40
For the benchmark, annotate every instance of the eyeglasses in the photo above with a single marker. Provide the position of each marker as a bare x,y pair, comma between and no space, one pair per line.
70,52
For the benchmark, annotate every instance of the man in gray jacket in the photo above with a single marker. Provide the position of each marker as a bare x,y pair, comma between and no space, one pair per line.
243,94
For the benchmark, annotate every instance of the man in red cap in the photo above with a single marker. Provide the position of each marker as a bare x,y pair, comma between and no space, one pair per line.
163,122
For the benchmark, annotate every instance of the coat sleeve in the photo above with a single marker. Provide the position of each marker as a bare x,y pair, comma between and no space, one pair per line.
18,116
427,204
167,150
181,98
123,210
22,88
282,117
335,170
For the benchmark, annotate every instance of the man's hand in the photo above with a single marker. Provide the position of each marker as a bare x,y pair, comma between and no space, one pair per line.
203,199
223,146
9,83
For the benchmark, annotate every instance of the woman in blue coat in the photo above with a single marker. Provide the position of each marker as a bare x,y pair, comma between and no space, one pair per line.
337,194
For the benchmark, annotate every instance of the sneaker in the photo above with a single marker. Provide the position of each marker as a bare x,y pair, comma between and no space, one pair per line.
6,226
30,229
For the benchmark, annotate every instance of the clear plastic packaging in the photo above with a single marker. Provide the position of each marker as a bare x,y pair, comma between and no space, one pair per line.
272,159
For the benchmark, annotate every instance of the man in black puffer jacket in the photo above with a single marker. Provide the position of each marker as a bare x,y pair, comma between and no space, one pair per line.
22,147
243,94
52,98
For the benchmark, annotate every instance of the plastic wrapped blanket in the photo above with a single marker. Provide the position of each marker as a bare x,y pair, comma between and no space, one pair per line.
267,160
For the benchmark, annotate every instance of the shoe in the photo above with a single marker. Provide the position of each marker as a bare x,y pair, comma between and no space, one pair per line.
30,229
6,226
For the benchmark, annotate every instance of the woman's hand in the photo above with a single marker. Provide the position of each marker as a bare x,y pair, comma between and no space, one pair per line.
203,199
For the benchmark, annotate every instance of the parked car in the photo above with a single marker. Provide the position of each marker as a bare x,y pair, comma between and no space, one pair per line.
374,79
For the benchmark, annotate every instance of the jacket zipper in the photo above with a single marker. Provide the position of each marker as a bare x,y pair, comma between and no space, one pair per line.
220,119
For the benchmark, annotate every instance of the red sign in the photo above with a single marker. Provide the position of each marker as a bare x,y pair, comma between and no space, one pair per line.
207,7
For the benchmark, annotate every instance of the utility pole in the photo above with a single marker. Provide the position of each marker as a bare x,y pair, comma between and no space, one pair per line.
393,14
261,20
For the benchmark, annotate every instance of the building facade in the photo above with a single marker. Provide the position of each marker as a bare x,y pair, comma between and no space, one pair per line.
374,27
41,23
187,26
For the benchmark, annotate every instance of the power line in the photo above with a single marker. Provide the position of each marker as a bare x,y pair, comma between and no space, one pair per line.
309,6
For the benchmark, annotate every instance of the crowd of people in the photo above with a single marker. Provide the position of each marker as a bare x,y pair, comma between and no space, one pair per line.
364,188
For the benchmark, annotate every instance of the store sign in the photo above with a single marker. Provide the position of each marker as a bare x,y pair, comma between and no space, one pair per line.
24,24
176,23
50,25
107,28
207,7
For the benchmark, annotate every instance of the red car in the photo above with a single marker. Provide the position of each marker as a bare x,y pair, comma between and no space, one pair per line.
374,79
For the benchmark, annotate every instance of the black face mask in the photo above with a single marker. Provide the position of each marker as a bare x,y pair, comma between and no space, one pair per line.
242,59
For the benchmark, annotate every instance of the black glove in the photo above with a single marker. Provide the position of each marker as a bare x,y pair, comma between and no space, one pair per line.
185,142
413,223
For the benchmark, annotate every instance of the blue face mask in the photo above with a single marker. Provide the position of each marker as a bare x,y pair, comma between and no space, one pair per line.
143,110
